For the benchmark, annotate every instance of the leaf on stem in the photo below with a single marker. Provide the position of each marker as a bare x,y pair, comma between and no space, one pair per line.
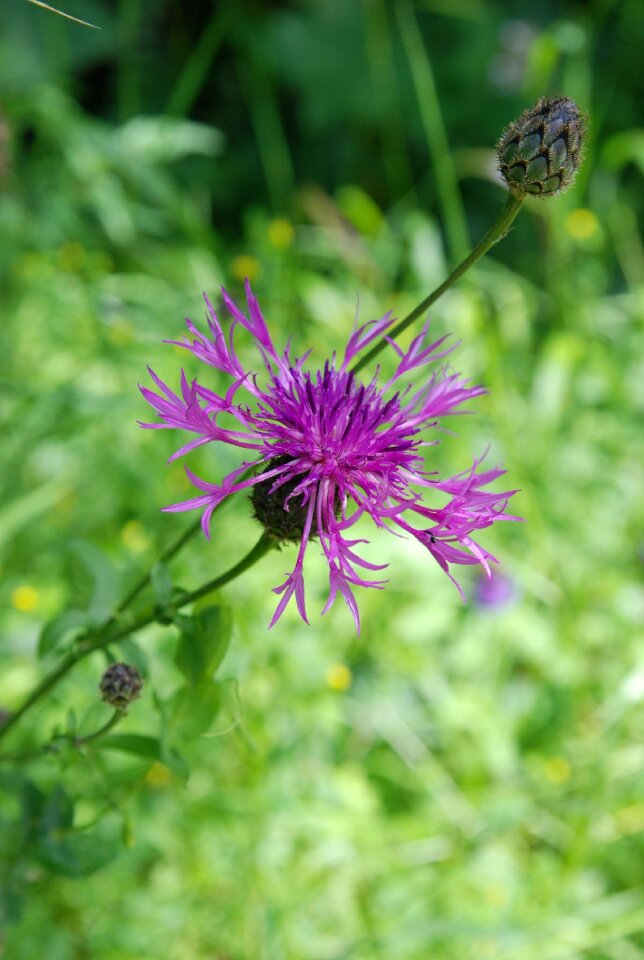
203,641
105,580
161,582
79,853
194,708
53,841
146,748
63,628
132,653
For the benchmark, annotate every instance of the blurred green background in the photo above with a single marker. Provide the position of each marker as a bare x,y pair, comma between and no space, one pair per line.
460,780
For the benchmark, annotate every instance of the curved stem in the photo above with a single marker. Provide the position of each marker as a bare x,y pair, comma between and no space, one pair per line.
114,719
497,231
263,545
103,638
171,551
166,555
52,746
45,685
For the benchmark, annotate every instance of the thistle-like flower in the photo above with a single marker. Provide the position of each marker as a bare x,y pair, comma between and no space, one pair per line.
328,450
541,151
120,685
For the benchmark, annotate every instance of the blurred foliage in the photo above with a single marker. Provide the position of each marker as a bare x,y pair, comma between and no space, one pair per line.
459,780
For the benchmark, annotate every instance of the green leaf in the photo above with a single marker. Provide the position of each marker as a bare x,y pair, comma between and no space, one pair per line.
42,813
78,853
62,628
57,812
360,209
194,708
153,140
232,703
133,654
176,762
32,802
147,748
105,579
24,510
161,582
203,642
624,147
71,724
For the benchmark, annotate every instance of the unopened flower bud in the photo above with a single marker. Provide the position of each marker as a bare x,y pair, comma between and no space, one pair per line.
540,152
120,685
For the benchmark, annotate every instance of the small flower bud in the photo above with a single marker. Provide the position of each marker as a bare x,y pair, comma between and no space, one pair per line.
120,685
540,152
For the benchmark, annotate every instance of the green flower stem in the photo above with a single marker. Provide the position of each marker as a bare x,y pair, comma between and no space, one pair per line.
497,231
171,551
53,745
114,719
263,545
103,638
168,554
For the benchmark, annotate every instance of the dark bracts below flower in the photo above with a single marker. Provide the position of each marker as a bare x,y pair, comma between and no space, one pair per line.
333,450
282,515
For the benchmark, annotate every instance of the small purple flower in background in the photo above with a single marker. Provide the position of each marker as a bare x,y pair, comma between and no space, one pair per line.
328,450
495,591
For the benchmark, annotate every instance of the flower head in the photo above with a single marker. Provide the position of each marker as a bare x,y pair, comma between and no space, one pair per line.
495,592
120,685
541,151
327,450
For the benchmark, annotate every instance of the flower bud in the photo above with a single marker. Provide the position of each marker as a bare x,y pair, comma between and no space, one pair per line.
540,152
120,685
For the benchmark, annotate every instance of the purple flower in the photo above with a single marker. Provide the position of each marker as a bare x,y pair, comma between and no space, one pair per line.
495,591
328,450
